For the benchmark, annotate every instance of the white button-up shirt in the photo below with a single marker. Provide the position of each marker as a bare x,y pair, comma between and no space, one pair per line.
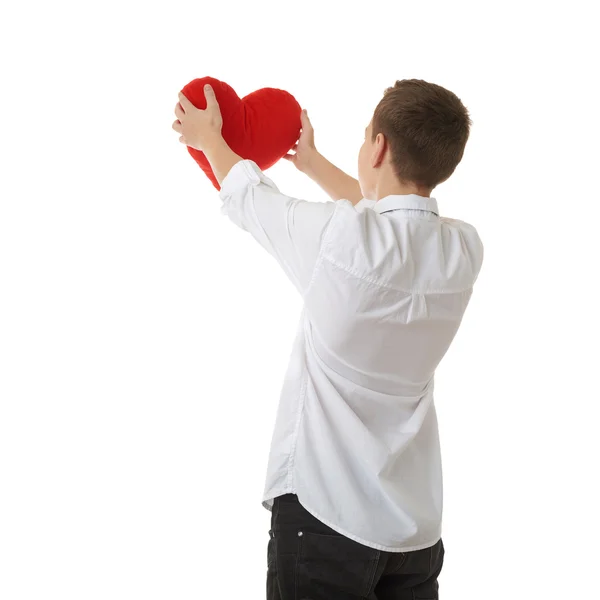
385,286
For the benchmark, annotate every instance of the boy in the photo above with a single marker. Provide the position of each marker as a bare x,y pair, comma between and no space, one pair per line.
354,479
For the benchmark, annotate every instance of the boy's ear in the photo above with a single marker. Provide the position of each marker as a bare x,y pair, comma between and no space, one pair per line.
379,150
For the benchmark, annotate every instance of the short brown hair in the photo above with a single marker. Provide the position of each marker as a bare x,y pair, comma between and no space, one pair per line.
426,127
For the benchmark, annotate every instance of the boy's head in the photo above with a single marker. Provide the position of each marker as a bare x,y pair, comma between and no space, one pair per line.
415,140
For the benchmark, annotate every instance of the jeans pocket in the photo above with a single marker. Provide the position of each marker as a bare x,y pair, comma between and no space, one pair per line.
329,565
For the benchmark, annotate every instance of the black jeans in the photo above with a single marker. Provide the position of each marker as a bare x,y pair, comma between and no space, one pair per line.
307,560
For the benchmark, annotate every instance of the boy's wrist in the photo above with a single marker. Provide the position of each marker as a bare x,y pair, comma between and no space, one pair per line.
220,156
215,142
312,161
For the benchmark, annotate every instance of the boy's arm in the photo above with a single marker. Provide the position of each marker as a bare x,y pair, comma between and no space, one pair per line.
307,159
290,229
337,184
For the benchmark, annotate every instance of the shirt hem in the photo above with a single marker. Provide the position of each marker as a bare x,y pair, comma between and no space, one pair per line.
345,533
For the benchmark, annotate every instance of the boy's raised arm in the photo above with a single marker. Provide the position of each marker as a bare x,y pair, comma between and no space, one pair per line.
337,184
308,160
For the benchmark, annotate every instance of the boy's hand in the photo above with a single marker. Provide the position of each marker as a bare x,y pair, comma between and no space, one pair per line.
198,128
305,147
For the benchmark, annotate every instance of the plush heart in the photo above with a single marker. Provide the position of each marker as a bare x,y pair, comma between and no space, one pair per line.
262,126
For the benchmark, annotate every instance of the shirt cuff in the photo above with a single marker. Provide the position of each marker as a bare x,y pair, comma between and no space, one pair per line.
241,175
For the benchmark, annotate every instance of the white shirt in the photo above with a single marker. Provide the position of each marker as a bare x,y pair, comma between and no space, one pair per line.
385,285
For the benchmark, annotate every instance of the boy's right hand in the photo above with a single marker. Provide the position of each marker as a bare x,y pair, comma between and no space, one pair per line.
305,147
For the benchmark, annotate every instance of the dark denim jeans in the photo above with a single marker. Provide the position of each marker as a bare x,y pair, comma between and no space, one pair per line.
307,560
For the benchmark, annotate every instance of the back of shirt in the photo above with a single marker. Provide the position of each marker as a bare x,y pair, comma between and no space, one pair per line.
387,295
390,294
385,287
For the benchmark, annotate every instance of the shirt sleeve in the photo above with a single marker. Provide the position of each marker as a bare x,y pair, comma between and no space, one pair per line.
291,230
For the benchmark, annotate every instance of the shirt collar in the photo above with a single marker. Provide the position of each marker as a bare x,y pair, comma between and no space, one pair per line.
412,201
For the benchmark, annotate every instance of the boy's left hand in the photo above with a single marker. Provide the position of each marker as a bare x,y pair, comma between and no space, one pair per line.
198,128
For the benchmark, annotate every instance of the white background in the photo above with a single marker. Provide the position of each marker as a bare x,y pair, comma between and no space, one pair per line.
144,337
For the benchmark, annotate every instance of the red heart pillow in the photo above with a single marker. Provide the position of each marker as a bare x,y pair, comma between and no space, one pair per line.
262,126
